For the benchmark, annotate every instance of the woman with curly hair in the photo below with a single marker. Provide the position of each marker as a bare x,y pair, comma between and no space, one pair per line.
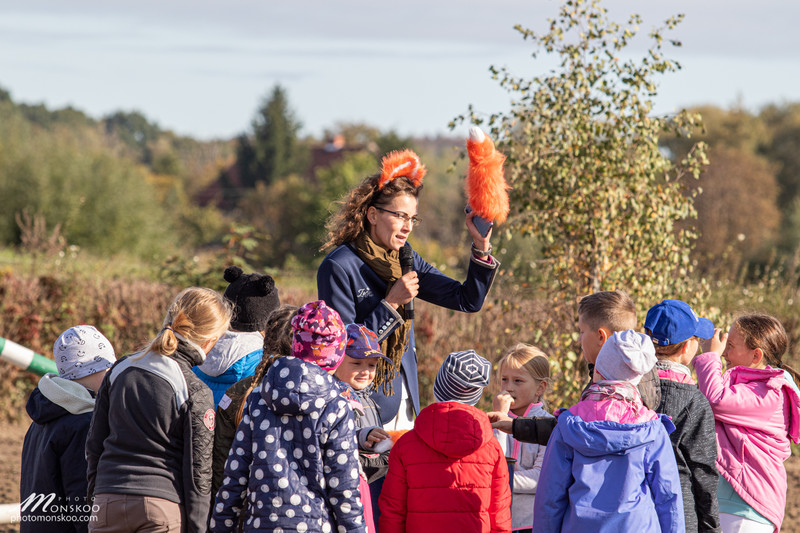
363,280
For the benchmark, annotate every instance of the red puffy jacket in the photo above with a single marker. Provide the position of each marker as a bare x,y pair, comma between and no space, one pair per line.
447,474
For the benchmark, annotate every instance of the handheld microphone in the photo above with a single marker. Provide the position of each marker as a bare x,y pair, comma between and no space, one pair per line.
406,266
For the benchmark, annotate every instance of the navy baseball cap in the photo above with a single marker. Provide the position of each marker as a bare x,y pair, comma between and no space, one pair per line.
674,321
362,343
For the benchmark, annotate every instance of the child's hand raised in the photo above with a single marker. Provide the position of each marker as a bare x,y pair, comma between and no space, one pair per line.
716,343
502,402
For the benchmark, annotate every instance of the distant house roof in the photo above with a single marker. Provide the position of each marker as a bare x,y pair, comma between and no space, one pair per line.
228,187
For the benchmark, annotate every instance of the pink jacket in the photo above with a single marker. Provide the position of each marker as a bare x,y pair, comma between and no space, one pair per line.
612,410
756,412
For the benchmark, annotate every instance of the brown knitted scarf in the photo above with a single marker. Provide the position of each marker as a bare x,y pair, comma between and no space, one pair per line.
386,264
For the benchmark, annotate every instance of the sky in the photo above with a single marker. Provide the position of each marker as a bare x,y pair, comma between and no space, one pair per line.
202,68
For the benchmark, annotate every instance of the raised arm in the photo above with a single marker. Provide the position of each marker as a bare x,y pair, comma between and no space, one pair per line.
737,404
444,291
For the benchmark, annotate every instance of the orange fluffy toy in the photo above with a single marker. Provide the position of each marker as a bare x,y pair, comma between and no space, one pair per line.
401,163
487,190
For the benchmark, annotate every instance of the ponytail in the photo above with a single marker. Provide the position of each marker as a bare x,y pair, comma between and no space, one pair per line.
261,369
792,372
277,343
196,314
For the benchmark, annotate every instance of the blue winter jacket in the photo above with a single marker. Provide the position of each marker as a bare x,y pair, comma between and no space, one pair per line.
348,285
295,457
235,356
605,476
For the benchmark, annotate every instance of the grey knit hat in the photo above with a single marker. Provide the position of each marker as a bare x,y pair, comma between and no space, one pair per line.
254,297
626,356
462,377
82,351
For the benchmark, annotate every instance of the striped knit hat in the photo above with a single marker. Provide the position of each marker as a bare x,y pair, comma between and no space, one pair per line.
462,377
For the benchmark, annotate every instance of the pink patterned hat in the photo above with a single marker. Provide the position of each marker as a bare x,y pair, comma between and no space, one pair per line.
319,335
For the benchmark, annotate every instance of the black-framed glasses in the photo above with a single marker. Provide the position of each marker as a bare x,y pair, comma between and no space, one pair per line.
402,216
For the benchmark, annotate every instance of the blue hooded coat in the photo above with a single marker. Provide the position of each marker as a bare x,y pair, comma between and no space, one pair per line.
235,356
295,457
606,476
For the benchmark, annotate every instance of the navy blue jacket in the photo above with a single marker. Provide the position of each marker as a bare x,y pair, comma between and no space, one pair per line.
295,457
53,463
348,285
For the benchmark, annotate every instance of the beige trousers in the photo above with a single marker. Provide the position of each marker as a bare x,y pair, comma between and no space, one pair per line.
126,513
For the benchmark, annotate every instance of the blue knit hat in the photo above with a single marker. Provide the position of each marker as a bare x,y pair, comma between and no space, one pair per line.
462,377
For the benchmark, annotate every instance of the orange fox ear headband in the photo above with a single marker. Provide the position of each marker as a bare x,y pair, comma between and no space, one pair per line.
401,163
487,190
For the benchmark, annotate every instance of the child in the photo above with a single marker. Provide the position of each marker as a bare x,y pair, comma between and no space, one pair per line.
756,411
53,456
357,372
599,316
449,472
523,374
609,464
674,327
237,354
295,454
277,343
150,442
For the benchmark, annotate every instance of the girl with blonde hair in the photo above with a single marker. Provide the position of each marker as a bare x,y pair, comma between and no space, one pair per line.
150,441
523,375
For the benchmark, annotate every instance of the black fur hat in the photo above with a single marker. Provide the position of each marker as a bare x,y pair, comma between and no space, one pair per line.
254,297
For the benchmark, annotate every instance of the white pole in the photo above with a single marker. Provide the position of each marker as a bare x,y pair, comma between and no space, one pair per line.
9,513
16,354
26,358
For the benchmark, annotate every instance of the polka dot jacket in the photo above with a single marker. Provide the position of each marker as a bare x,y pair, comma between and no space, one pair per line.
294,457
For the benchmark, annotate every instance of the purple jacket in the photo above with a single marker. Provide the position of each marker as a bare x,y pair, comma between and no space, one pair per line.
756,412
607,476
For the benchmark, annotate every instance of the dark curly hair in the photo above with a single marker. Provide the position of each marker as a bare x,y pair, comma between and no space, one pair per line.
351,218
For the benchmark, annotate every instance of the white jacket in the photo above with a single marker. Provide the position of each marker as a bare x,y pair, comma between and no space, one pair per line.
526,470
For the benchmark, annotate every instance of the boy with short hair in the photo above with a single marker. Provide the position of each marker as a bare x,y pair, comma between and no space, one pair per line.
449,472
675,327
600,315
53,453
609,466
